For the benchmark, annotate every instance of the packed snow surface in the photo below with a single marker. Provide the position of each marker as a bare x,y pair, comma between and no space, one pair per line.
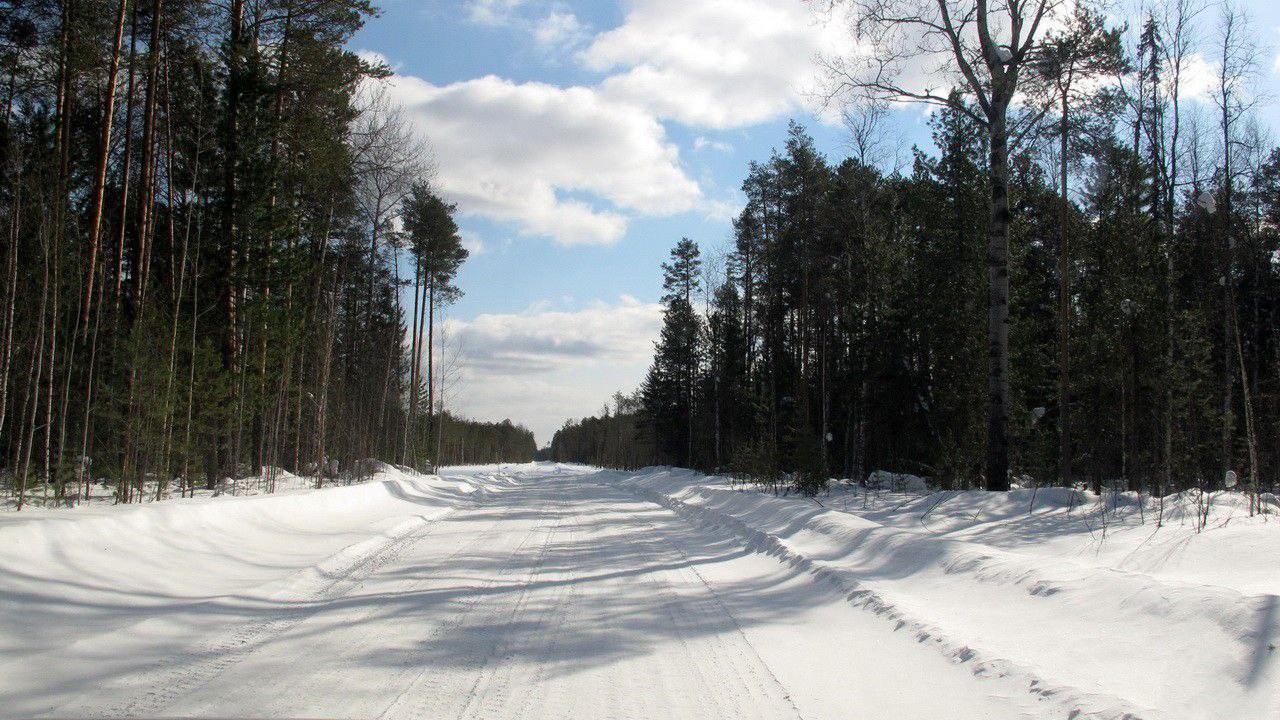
547,590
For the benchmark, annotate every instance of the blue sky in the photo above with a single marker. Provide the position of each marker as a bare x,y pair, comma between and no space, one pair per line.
580,141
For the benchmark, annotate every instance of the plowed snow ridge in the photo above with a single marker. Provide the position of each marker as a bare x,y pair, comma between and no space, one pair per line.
549,590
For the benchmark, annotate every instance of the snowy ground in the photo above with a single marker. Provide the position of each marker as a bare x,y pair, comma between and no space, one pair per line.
561,591
100,492
1099,612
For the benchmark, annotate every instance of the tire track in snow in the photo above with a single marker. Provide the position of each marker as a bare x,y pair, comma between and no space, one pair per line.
1076,703
177,675
748,667
552,633
720,673
415,699
491,690
332,672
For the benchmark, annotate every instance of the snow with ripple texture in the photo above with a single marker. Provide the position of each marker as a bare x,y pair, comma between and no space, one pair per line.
547,590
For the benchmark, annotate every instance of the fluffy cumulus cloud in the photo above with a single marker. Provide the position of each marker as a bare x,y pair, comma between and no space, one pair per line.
522,151
550,364
702,143
473,243
539,339
714,63
551,25
576,163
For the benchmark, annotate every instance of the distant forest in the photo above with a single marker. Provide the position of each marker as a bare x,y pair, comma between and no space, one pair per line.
472,442
855,323
209,216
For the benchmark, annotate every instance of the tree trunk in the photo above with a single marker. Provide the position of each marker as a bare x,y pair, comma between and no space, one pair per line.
147,179
11,285
419,311
104,152
31,404
53,361
326,364
1170,228
1228,288
229,173
431,336
230,292
1251,432
6,359
1064,305
125,174
998,308
82,462
1226,79
181,274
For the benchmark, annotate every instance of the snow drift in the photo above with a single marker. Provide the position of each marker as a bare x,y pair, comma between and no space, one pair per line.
92,571
1058,606
1116,621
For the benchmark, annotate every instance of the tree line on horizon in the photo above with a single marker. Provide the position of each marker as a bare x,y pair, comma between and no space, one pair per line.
212,219
855,322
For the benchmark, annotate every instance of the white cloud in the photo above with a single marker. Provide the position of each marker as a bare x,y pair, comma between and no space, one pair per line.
539,339
714,63
702,143
559,30
577,163
493,12
1198,77
516,151
542,366
472,243
554,28
373,57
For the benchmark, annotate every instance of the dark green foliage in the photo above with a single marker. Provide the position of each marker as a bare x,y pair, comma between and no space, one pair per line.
670,389
848,331
470,442
620,437
436,248
434,239
237,317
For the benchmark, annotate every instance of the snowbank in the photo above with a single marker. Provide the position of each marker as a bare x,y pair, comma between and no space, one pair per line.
897,482
70,575
1115,621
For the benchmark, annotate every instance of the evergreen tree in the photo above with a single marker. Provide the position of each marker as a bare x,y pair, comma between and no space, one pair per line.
847,334
183,207
436,246
670,388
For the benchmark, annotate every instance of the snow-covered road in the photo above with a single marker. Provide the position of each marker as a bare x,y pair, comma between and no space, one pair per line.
542,593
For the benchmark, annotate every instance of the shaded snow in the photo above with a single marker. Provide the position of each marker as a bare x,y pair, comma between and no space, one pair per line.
552,590
1099,611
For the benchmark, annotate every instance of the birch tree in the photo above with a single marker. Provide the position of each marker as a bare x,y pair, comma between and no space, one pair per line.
984,48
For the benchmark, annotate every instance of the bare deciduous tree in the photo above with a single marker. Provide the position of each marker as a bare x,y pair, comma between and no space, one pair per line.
1232,95
389,159
982,48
